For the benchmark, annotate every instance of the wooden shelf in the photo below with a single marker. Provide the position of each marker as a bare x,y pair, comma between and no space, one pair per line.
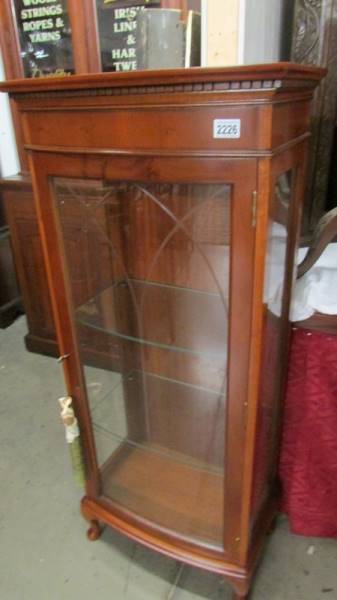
179,498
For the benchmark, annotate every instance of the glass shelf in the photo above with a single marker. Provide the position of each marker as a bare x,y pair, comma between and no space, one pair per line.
164,316
161,416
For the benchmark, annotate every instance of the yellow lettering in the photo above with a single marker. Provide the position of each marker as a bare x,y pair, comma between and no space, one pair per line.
125,26
43,36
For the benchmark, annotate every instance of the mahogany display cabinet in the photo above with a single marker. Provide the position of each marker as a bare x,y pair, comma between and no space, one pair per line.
169,206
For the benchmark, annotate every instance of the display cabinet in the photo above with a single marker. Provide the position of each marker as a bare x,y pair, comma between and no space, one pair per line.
169,206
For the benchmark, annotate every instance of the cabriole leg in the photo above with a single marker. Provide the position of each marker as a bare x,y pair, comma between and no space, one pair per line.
94,531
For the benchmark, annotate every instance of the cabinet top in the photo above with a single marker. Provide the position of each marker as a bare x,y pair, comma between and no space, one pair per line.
248,77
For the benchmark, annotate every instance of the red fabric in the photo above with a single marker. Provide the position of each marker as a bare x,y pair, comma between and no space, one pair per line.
308,466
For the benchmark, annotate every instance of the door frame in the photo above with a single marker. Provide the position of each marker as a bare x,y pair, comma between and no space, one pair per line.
241,174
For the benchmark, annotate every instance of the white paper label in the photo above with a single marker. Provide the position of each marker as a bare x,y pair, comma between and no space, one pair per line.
229,129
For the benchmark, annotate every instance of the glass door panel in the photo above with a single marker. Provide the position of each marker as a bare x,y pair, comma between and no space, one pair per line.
148,266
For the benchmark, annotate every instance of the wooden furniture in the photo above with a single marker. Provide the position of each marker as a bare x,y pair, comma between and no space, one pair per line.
314,42
17,192
169,206
18,199
324,234
10,300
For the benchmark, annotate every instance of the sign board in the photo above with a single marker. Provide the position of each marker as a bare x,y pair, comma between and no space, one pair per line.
117,26
45,37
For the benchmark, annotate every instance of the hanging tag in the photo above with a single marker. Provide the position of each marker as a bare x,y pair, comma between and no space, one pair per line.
72,433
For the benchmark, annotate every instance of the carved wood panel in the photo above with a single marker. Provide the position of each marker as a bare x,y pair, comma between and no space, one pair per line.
315,42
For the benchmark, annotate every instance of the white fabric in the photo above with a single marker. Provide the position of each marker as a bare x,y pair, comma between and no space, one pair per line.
316,291
275,267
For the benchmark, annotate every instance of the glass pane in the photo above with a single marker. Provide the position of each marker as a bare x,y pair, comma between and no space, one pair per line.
149,272
117,27
45,37
273,334
139,35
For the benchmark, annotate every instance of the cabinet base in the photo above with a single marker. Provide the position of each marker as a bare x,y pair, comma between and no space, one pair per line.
49,347
9,312
98,513
40,345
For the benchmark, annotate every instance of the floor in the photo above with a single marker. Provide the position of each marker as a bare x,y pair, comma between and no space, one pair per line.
44,553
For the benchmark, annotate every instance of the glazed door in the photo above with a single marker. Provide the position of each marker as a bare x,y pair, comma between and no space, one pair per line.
152,285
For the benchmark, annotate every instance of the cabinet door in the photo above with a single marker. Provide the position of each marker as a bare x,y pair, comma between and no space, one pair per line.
170,270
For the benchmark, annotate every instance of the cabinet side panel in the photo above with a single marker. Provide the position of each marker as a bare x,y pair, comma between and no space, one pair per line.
290,120
284,219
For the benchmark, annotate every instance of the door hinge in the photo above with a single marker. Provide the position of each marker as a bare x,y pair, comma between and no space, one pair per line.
254,208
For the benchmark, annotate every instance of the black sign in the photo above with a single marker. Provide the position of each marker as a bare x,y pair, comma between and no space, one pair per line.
45,37
117,25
